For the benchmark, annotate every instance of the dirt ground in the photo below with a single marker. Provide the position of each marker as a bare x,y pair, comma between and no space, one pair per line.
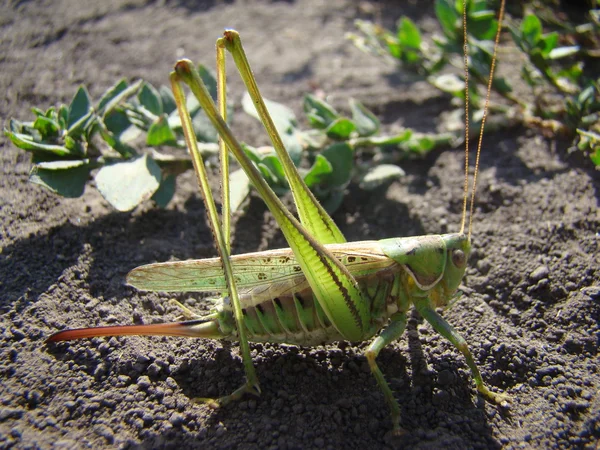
531,307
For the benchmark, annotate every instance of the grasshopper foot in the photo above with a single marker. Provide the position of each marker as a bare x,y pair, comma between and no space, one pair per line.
502,400
246,388
213,403
396,437
397,430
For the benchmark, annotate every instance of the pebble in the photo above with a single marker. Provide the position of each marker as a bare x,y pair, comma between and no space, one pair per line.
105,432
176,419
540,273
143,382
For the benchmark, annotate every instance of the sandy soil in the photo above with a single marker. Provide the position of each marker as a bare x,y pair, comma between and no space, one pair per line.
530,313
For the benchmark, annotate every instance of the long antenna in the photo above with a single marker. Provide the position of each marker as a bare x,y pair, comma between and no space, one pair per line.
466,66
485,112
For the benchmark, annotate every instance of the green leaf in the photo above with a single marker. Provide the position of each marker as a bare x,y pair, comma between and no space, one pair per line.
15,126
252,153
66,178
450,83
563,52
540,63
63,116
285,123
531,28
75,146
283,117
341,128
383,141
80,107
62,164
276,168
293,144
548,43
341,158
573,73
421,144
165,191
474,6
595,156
117,131
47,127
117,122
38,112
366,122
209,80
160,133
26,142
126,184
585,96
81,127
332,201
111,93
168,101
319,171
150,99
590,141
482,24
313,139
203,128
409,34
380,175
268,175
319,113
239,188
447,16
394,48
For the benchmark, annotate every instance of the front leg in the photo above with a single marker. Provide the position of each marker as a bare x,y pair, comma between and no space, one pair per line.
440,325
392,332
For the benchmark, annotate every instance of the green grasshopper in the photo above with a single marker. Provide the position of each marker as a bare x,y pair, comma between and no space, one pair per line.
321,289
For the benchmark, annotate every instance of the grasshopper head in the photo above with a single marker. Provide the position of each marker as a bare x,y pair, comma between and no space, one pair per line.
436,264
458,249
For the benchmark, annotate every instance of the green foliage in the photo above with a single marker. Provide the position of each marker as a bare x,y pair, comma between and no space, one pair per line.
584,115
104,139
331,145
406,46
572,108
541,49
67,143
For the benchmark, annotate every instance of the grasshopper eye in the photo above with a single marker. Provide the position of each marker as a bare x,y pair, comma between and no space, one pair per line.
458,258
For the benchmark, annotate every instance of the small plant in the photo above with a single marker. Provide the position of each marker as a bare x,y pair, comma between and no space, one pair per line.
330,146
566,101
109,137
584,109
68,142
407,47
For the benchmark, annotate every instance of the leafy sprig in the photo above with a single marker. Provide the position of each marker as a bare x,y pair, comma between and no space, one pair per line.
110,140
572,109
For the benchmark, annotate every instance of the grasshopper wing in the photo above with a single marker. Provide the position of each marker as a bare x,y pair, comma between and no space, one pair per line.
269,273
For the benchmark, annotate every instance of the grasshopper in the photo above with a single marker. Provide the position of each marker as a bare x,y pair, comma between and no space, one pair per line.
321,289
